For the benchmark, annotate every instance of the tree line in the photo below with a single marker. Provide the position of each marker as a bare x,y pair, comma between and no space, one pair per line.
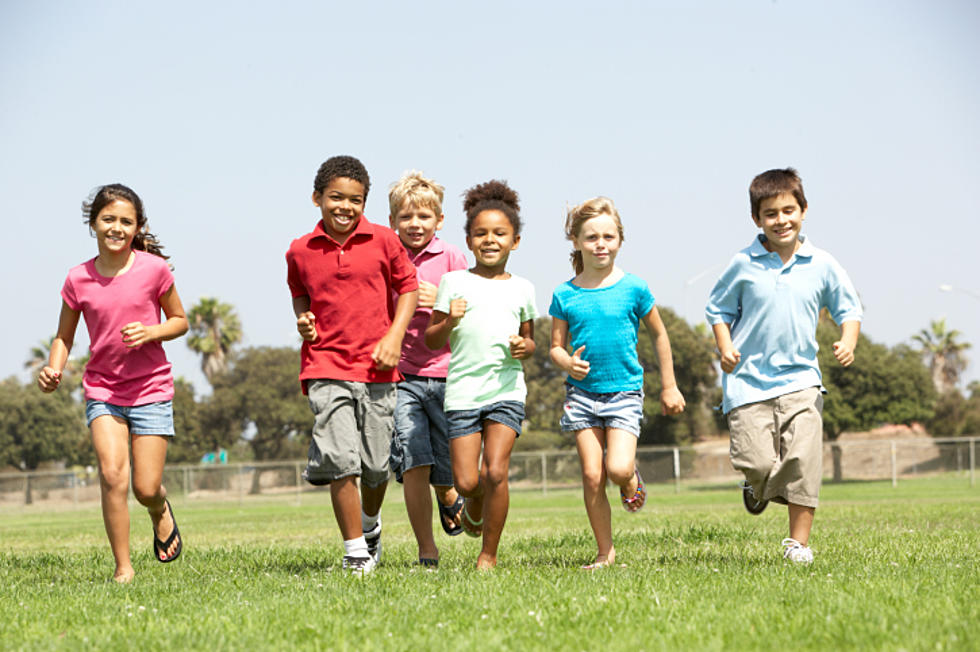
255,408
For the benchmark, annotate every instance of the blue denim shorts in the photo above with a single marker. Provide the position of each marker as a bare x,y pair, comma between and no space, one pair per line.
148,419
422,430
584,409
466,422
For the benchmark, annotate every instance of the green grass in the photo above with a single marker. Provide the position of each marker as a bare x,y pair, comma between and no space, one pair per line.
895,569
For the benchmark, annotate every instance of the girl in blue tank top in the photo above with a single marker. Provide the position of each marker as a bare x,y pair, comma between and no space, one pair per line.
597,315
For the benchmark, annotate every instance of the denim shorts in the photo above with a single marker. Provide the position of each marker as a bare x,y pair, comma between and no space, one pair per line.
466,422
584,409
421,430
148,419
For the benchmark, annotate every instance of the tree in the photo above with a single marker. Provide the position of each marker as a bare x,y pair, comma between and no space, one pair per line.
72,373
259,401
215,330
944,353
881,386
191,440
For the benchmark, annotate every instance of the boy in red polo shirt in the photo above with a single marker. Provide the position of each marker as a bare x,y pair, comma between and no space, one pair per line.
342,277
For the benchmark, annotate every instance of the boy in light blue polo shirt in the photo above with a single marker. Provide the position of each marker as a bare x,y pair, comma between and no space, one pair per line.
764,311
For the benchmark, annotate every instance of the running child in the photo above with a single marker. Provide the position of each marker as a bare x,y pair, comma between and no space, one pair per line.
343,276
597,315
127,383
420,447
764,311
487,316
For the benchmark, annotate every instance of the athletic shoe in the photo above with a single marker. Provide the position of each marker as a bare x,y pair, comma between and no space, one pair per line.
795,551
373,539
358,565
752,506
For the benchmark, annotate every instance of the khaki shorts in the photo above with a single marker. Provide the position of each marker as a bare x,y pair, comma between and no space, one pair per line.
352,428
778,445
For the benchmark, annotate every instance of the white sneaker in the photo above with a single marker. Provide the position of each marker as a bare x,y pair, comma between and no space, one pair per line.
796,552
373,539
358,565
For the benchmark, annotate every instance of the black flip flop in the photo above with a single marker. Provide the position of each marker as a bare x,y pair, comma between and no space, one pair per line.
448,513
160,547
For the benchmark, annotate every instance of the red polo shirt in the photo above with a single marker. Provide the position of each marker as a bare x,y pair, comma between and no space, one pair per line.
351,289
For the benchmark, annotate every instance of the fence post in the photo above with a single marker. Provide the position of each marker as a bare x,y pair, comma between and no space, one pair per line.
544,473
677,470
894,465
973,460
241,485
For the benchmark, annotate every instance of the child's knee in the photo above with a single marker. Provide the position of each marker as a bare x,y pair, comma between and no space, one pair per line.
620,472
146,494
466,485
495,474
115,478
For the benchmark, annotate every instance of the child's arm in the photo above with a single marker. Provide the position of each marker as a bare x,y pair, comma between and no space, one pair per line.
388,350
572,364
671,399
441,325
522,345
844,347
730,356
427,294
135,334
50,376
305,320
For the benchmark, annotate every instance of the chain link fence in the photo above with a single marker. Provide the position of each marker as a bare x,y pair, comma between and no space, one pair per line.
894,460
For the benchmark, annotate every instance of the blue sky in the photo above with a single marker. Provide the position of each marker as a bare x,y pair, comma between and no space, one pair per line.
219,114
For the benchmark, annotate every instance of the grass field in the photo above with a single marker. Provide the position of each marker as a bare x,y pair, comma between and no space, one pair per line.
895,569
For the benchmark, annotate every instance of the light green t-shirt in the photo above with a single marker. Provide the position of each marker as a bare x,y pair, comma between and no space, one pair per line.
481,369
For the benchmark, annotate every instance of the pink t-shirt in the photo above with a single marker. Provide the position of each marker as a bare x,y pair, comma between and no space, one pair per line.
435,259
117,374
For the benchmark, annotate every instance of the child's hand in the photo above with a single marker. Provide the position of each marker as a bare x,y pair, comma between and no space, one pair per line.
387,352
457,308
49,379
306,325
729,359
672,401
427,294
580,367
135,334
518,347
843,353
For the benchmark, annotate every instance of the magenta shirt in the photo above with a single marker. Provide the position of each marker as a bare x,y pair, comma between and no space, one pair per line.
117,374
432,262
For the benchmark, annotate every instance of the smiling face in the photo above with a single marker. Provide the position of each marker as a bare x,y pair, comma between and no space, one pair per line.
115,226
491,239
781,219
598,240
416,226
341,204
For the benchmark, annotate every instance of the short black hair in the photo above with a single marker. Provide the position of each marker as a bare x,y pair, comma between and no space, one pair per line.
341,166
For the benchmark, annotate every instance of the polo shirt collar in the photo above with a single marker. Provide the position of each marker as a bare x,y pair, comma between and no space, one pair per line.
435,246
363,228
757,249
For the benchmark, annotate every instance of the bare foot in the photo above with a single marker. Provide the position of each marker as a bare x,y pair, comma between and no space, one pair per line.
486,562
123,575
602,561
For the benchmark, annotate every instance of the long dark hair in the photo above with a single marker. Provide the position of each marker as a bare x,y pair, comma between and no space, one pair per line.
105,195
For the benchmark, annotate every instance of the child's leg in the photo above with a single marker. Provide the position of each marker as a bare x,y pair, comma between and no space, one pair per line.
621,459
465,455
149,455
590,443
800,522
418,504
346,503
498,443
110,437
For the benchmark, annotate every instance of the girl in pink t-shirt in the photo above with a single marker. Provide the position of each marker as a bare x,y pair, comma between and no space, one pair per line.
127,382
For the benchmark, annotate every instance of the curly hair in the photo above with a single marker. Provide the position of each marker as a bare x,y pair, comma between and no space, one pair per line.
579,215
493,195
341,166
773,183
105,195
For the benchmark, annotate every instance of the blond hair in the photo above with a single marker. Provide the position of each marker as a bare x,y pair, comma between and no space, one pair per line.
418,191
579,215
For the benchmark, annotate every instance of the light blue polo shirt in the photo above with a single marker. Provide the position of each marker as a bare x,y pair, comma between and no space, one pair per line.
773,311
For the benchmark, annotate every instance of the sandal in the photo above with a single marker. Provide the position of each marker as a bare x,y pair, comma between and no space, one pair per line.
160,547
635,502
448,515
471,527
428,563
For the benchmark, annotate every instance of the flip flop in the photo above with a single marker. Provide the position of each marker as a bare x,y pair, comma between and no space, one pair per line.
160,547
635,502
472,528
448,513
428,563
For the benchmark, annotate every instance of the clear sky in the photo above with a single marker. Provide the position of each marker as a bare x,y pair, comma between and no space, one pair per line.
219,114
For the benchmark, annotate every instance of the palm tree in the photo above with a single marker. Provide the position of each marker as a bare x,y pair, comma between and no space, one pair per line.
215,329
38,358
944,354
